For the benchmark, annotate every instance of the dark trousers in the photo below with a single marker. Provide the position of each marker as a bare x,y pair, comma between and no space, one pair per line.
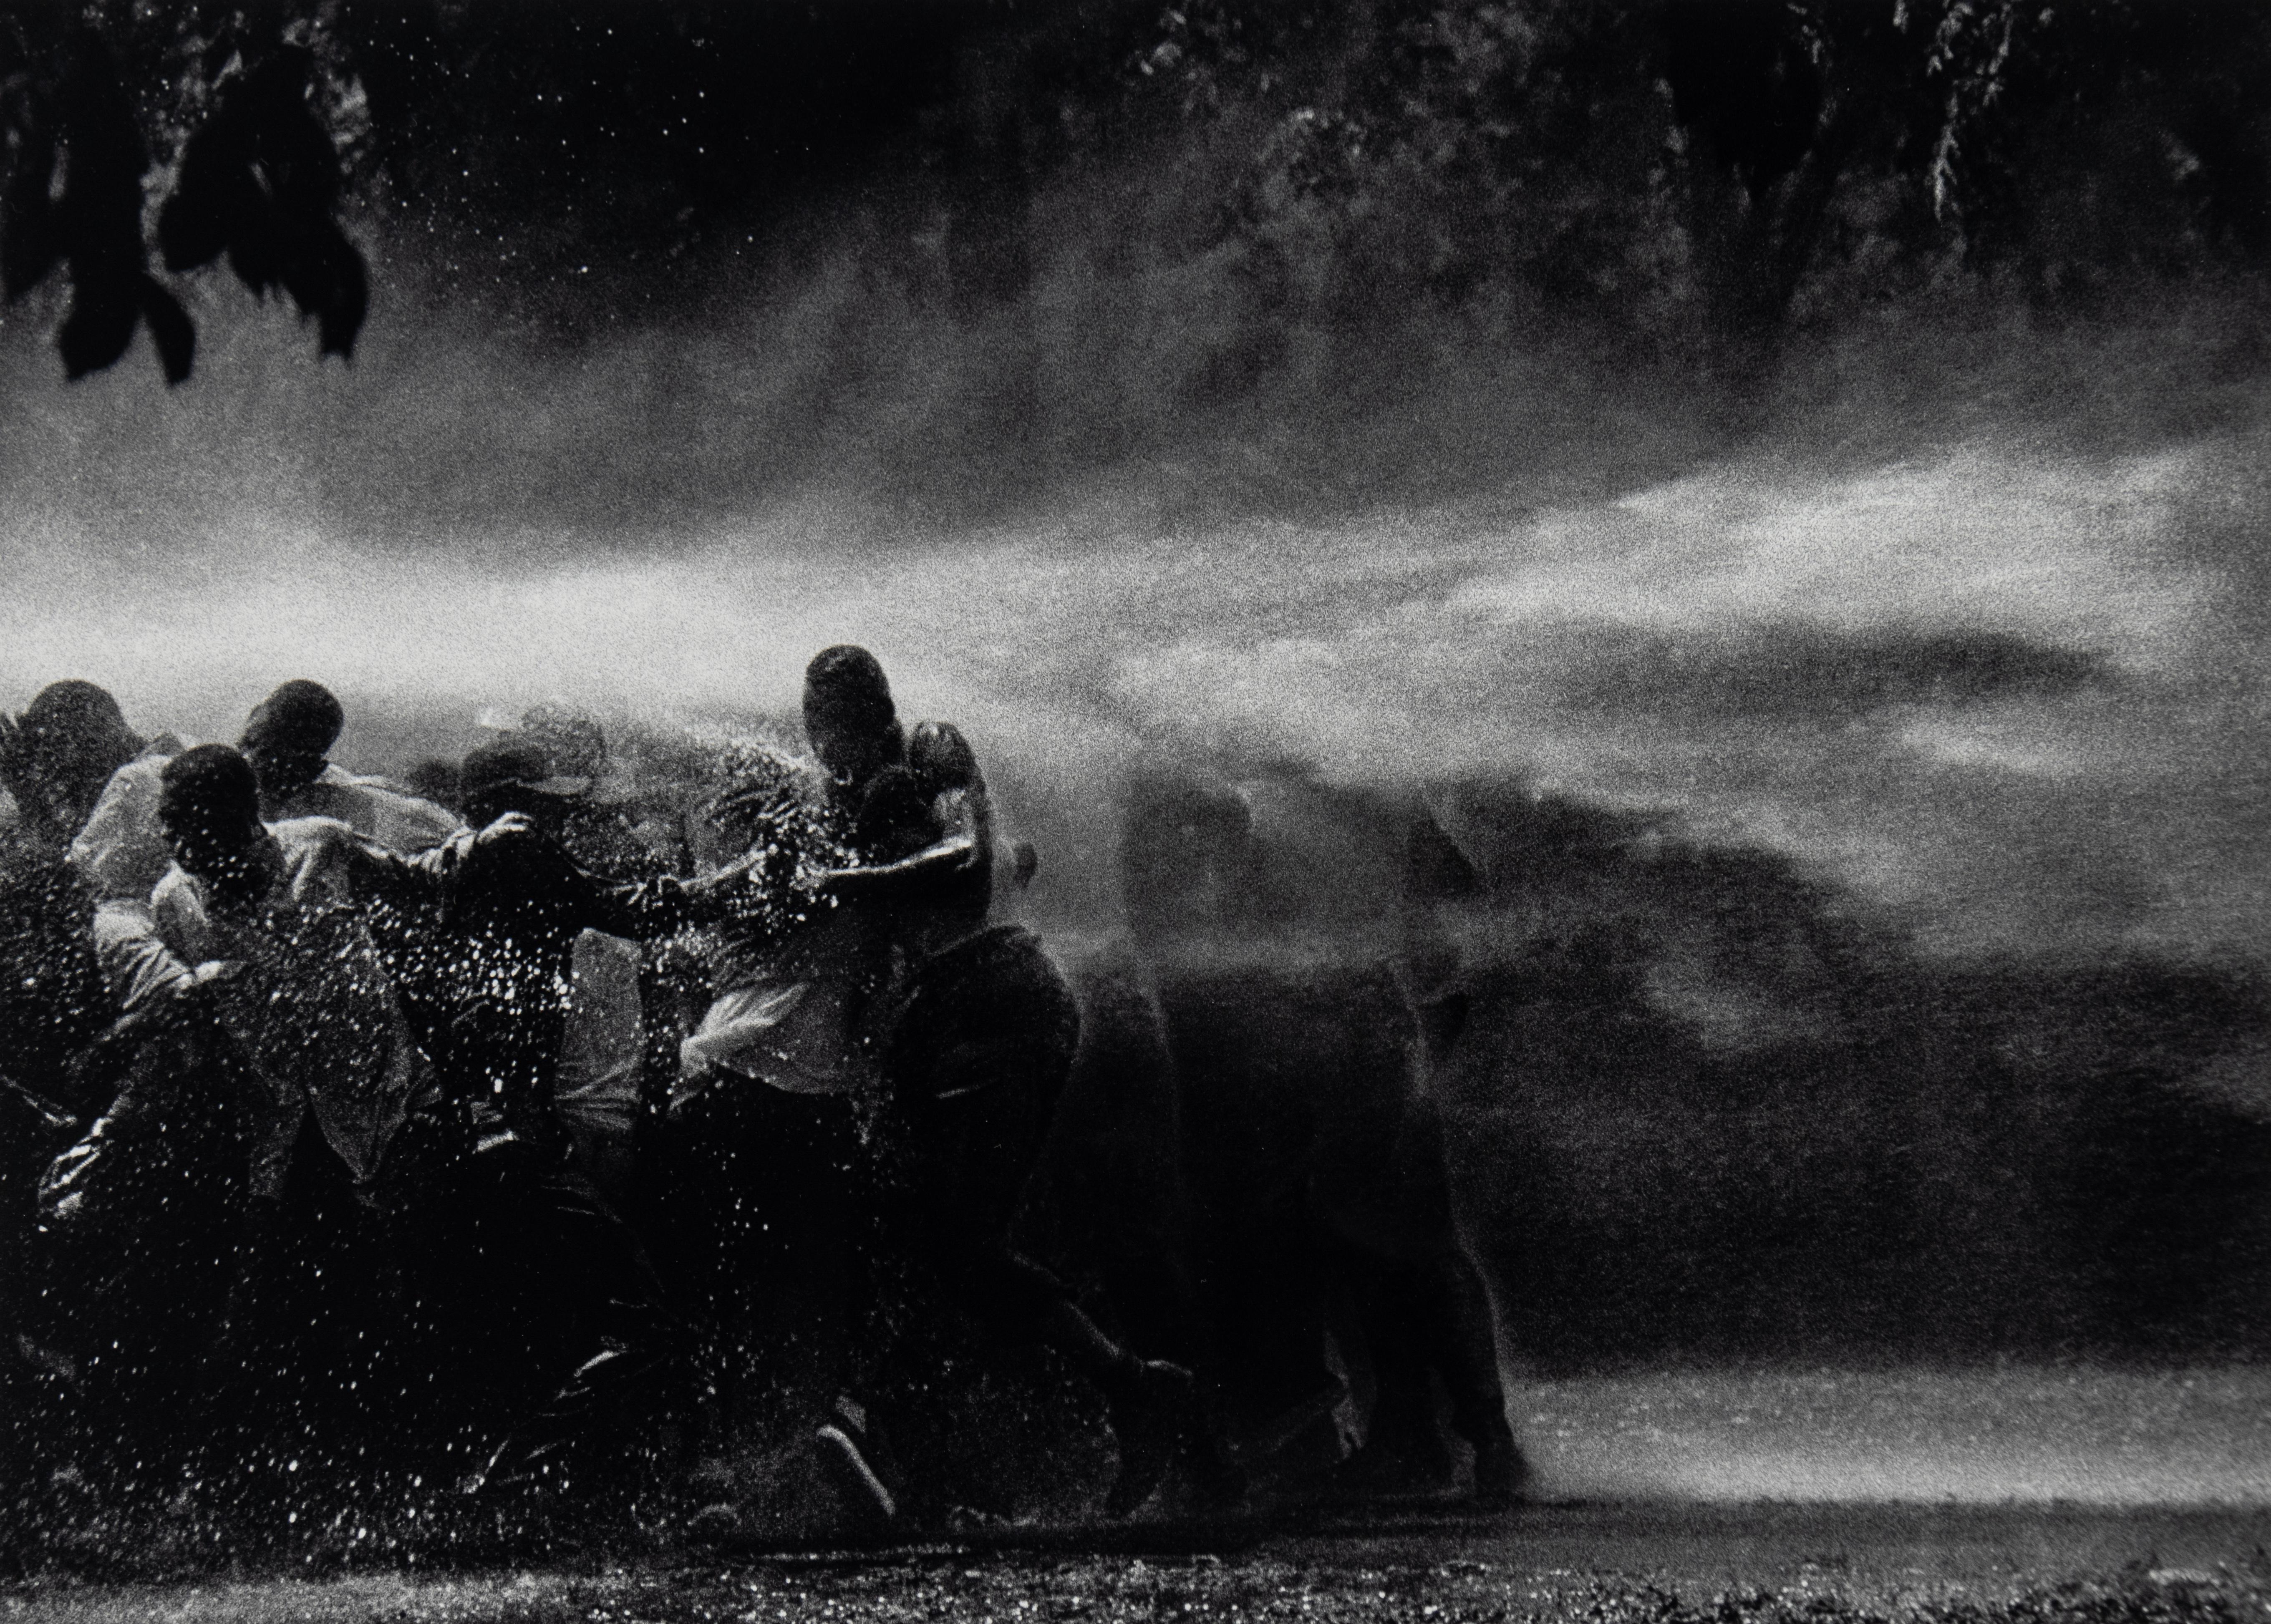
757,1202
288,1379
534,1322
946,1184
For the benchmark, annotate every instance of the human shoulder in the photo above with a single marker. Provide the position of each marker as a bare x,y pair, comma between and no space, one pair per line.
311,829
379,808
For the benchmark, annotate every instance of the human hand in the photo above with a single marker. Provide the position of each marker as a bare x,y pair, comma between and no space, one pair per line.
507,827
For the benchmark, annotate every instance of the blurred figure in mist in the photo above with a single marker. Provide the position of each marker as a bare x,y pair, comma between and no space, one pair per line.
977,1038
1304,998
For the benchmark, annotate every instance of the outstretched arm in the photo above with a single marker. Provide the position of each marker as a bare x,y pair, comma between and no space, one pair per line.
953,852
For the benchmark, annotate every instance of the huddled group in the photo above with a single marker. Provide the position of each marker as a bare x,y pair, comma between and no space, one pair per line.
497,1129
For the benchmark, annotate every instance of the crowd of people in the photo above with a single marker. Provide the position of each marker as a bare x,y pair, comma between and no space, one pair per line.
511,1127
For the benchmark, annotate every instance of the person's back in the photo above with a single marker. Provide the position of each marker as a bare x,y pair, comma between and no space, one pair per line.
120,853
791,968
373,808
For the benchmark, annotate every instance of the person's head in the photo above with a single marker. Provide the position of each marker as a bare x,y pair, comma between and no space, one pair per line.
512,774
74,737
848,715
433,780
1186,853
288,735
895,818
209,808
942,759
574,744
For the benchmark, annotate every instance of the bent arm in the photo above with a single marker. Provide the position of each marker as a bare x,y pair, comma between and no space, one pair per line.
956,849
140,970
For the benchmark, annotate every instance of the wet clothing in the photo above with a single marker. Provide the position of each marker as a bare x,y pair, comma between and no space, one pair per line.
518,964
121,853
374,808
603,1051
308,1000
800,1036
794,972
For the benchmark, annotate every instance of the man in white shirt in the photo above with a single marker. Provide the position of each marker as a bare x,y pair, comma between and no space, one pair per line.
287,739
120,853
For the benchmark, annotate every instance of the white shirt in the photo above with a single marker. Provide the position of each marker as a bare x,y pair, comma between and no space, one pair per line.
121,853
373,808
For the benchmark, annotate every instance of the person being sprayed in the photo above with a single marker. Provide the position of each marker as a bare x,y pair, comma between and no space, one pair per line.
764,1121
976,1046
55,761
288,737
120,853
510,973
345,1120
55,758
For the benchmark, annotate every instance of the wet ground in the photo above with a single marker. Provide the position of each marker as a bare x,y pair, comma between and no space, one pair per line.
1659,1564
2017,1496
2091,1436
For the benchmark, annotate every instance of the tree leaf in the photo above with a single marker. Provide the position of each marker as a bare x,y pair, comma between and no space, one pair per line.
171,329
101,324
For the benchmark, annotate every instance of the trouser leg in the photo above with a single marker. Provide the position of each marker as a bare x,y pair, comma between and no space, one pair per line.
298,1328
612,1356
951,1198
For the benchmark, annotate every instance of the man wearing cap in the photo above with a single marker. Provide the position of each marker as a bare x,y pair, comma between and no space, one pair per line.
512,944
534,975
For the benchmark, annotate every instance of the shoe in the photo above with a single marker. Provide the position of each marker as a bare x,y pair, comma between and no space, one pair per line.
867,1501
1151,1416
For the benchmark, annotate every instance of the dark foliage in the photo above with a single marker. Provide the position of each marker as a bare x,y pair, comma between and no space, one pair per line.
259,178
1681,167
